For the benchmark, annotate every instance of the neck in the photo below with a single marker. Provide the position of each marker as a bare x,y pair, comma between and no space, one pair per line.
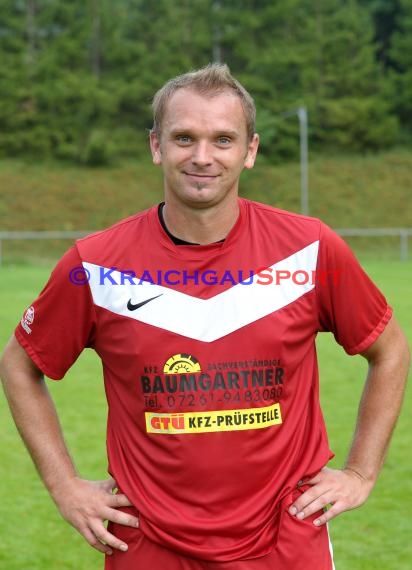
200,225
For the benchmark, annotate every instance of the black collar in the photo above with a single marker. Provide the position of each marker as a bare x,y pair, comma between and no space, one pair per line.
175,240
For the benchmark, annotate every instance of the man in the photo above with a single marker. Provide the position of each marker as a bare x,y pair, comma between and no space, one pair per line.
204,311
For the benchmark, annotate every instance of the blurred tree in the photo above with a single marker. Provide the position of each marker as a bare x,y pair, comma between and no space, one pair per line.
18,44
401,54
350,107
80,74
319,54
95,37
385,14
31,32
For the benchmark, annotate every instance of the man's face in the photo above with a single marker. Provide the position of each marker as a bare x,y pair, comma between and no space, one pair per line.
203,147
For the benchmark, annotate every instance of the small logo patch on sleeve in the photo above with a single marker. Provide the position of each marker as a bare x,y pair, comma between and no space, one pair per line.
28,319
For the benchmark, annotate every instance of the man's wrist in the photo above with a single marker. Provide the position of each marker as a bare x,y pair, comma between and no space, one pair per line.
62,486
361,474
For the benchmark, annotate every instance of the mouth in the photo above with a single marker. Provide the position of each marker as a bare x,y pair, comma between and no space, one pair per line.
200,178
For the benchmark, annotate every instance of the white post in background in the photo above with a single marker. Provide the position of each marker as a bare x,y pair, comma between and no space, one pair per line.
304,184
217,47
302,114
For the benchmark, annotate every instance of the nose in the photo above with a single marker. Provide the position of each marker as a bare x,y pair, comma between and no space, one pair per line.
202,154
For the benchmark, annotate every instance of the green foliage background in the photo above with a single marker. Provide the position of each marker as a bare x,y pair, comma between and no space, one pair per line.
77,76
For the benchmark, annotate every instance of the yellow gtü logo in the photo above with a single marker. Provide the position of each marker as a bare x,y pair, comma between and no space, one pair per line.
213,421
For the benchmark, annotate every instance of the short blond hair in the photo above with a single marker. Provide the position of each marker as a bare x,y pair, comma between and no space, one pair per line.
211,80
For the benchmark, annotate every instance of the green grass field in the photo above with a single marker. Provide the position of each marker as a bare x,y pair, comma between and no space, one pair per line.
33,536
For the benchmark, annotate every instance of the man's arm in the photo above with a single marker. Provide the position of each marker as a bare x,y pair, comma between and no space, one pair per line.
84,504
379,408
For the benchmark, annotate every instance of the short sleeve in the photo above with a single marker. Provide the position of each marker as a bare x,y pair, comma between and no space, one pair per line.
350,305
61,321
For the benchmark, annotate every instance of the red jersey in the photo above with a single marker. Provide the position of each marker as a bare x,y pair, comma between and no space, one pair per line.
210,365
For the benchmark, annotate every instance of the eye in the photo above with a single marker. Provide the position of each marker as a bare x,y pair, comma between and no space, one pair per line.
183,139
223,141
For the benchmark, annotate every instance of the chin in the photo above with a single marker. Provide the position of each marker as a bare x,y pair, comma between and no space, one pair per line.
201,196
201,203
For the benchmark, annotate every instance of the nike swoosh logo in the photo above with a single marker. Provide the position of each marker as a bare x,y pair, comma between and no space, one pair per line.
133,307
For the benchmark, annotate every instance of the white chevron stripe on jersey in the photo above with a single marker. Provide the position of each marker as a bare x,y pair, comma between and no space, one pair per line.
204,319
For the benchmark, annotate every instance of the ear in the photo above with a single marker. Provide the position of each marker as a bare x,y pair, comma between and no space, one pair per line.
252,151
155,148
